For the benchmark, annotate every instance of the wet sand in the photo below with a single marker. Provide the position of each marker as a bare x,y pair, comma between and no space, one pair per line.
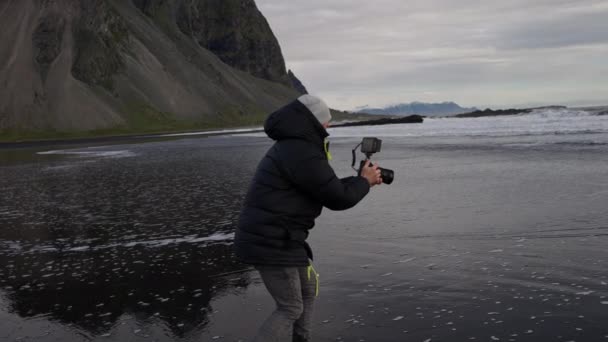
477,239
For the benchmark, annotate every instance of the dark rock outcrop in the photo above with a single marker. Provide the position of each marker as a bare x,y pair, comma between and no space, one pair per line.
47,39
296,83
384,121
101,38
502,112
136,65
237,33
490,112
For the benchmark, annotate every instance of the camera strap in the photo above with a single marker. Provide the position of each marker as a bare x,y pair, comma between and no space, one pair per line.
355,157
326,148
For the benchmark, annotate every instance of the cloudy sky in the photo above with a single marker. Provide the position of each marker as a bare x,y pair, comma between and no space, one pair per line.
481,53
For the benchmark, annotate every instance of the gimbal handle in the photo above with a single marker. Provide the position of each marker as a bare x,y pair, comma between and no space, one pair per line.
368,156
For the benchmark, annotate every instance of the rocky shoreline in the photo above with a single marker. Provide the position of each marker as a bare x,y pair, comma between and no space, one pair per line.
501,112
383,121
170,135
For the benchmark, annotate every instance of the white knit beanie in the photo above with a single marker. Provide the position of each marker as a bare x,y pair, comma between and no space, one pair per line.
317,107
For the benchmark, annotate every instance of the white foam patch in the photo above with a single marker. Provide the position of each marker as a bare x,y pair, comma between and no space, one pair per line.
191,239
59,167
254,135
187,239
91,154
404,261
224,131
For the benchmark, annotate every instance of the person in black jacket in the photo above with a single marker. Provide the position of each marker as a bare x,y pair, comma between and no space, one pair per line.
292,184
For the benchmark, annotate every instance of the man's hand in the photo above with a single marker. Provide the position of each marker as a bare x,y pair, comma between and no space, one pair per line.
372,174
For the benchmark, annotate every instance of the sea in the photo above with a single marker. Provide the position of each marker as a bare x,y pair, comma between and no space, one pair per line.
495,229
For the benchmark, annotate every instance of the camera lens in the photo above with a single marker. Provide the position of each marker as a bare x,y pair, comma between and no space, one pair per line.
387,175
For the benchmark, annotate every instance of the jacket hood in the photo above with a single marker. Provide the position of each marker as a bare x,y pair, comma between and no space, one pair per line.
295,121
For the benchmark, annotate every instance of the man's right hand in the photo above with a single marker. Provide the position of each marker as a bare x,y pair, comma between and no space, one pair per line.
371,173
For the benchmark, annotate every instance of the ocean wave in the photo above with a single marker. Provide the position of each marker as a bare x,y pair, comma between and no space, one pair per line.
539,122
561,113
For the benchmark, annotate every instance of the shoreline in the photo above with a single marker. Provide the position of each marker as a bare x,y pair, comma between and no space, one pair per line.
122,138
169,135
410,119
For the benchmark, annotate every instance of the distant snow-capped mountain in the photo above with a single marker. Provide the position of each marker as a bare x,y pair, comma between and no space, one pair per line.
421,108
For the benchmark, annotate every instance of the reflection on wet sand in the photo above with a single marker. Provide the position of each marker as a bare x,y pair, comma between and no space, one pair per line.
93,236
93,290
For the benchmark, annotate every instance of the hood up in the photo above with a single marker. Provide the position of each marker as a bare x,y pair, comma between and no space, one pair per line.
295,121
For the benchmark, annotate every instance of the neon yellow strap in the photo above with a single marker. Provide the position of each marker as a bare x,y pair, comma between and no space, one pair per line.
309,269
326,147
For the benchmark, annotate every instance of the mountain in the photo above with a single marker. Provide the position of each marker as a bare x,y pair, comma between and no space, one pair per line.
136,65
296,83
421,108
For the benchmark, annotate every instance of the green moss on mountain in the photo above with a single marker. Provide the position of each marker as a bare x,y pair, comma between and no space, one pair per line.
143,119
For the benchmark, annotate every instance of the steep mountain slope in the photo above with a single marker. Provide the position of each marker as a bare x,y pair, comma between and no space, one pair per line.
296,83
136,65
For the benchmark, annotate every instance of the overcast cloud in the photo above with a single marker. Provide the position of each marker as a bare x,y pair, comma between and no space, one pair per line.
477,53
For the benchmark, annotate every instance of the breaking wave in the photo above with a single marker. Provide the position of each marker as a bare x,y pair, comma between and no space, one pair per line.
538,122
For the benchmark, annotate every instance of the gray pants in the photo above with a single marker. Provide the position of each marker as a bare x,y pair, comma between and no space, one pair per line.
294,291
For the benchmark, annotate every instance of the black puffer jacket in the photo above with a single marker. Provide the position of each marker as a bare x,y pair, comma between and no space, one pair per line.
292,184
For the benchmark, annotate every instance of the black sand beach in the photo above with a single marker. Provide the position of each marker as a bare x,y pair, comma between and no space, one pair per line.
479,238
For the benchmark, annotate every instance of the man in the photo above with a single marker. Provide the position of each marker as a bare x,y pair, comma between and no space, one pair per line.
292,184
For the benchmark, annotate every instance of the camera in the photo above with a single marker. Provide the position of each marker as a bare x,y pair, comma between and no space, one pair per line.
369,146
